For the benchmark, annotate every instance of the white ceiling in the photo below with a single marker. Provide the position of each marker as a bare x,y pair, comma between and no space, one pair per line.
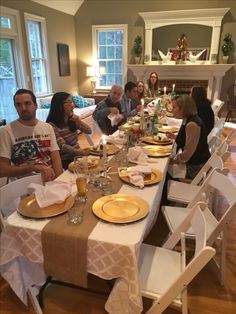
66,6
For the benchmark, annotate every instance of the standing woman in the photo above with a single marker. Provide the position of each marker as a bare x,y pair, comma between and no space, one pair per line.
204,109
66,125
192,137
152,86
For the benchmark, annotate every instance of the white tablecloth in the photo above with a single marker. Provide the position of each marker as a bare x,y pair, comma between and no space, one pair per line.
112,250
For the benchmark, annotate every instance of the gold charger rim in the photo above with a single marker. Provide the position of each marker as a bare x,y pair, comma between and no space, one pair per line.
165,129
111,150
156,151
71,165
97,208
29,208
158,176
149,140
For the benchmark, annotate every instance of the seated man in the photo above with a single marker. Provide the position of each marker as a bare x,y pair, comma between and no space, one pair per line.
27,144
130,105
108,111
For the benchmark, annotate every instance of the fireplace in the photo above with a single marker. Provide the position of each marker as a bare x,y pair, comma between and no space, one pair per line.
183,75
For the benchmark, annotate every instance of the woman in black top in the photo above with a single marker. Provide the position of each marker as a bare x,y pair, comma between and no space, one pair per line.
192,136
204,109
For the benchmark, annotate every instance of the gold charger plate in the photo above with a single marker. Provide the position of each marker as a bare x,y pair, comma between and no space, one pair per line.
111,150
29,207
156,176
150,140
92,163
120,208
168,128
157,151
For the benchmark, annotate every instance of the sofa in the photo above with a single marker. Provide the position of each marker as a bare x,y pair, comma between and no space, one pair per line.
84,107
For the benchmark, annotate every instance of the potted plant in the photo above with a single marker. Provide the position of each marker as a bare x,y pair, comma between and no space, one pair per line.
227,47
137,48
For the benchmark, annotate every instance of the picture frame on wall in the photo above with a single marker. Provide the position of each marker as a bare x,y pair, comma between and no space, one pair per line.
63,59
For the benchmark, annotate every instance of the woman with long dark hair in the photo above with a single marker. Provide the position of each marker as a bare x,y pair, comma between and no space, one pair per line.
204,109
152,86
66,125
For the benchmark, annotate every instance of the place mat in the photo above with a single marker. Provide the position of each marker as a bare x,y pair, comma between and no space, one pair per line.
151,140
111,150
65,246
120,208
157,151
28,207
156,176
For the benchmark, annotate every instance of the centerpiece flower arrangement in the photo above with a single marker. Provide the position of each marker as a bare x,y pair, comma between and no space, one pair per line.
181,52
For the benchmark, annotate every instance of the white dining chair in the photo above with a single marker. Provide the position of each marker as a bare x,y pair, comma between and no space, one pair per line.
217,184
165,273
8,194
184,192
13,190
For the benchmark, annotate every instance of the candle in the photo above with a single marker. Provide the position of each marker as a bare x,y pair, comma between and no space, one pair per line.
104,146
173,87
165,90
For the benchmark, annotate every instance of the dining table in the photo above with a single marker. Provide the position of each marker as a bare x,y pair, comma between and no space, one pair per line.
112,248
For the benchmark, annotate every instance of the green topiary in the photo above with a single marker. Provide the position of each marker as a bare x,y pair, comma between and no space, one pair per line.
138,46
227,46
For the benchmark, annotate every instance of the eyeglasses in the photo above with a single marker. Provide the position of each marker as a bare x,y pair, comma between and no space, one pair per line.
153,77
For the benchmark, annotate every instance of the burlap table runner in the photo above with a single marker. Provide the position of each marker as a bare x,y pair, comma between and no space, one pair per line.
65,246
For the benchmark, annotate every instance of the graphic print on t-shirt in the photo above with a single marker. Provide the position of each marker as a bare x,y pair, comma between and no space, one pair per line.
31,152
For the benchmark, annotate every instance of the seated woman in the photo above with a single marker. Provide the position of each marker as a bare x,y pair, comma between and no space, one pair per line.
66,125
141,90
204,109
152,86
192,136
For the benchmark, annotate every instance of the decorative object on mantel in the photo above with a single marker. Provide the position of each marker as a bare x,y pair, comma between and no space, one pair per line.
137,48
227,47
165,58
181,52
193,58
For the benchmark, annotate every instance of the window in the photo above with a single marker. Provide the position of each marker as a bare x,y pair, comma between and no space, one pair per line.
12,70
36,36
110,54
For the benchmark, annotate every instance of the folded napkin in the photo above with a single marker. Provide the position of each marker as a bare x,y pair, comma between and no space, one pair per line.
174,122
54,192
137,154
115,118
115,140
136,175
177,170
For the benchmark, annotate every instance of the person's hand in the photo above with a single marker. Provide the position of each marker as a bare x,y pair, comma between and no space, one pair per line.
82,152
119,117
171,135
47,172
114,110
138,108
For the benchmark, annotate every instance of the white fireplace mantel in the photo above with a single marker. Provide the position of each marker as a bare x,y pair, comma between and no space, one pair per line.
213,73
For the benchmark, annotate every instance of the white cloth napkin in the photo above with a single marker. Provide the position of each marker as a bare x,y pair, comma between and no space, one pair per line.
54,192
177,170
136,175
138,155
115,118
174,122
115,140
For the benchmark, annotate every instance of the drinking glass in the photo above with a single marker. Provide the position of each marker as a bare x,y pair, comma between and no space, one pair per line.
81,171
76,214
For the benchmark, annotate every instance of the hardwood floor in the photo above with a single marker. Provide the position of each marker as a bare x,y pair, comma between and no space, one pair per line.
205,294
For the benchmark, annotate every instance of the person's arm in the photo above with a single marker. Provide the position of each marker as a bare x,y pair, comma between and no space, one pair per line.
9,170
101,112
82,126
56,163
193,132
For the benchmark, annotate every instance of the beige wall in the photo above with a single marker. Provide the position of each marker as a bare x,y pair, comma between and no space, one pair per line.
126,12
60,29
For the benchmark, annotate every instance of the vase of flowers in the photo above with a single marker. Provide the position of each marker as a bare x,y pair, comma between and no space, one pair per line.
227,47
181,51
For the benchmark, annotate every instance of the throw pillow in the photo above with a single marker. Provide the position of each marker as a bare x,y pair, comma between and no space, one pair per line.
45,106
80,101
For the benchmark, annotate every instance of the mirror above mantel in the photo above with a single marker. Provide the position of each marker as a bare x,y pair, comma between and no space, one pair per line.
206,22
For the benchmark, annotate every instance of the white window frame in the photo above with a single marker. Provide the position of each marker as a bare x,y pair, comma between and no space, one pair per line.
15,34
107,28
42,21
